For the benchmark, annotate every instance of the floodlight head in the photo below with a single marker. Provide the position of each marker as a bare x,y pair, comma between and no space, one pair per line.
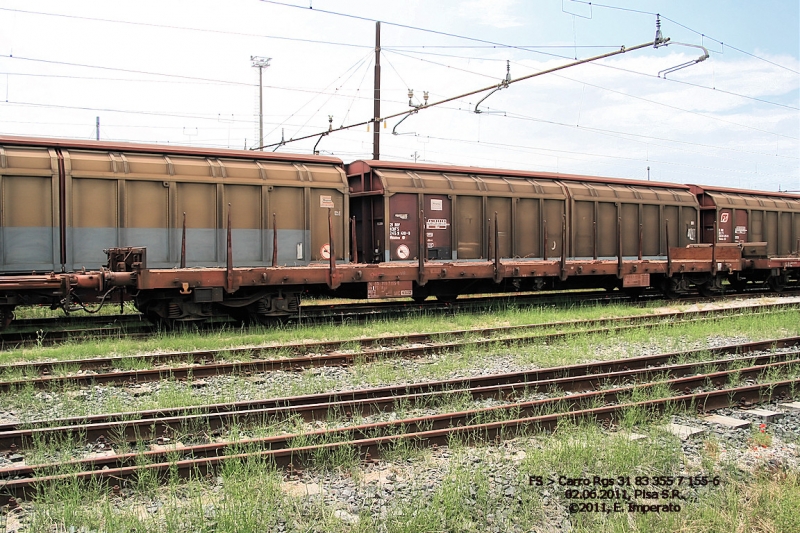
260,61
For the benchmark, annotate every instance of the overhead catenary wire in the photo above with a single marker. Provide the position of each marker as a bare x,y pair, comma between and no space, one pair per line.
119,69
406,26
279,37
683,82
388,47
676,108
650,13
399,65
443,65
496,44
358,91
409,53
491,87
627,136
571,155
518,47
529,149
352,68
216,118
103,67
103,78
184,28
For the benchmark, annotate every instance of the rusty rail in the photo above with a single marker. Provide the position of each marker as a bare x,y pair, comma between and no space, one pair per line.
26,331
420,432
205,369
365,402
575,370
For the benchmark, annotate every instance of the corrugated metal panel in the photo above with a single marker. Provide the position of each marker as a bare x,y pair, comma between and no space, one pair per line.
466,184
357,167
29,210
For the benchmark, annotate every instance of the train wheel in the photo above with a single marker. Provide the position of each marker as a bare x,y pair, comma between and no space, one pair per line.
707,290
777,283
269,310
6,316
670,288
174,312
419,299
447,298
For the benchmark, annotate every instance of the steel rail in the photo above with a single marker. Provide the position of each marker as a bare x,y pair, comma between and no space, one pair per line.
440,421
575,370
203,366
367,402
46,331
182,373
428,431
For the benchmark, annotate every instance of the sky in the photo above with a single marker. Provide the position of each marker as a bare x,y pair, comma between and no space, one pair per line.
180,73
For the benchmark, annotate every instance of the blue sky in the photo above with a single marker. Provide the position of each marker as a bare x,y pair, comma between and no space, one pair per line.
179,72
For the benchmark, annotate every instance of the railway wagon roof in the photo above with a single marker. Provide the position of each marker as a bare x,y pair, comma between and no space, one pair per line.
80,144
701,189
358,167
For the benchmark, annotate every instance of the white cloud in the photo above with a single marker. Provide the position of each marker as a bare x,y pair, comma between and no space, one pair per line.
589,119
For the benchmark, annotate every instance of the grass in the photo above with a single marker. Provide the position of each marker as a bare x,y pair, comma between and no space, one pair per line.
500,315
475,489
248,495
66,400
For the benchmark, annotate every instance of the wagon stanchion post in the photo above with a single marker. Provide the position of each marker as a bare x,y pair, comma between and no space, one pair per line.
489,239
183,242
620,262
332,256
563,275
714,251
641,231
497,273
423,252
669,254
274,241
546,244
229,257
354,245
594,240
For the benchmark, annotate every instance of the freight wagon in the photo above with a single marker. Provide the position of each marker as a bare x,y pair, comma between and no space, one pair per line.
190,233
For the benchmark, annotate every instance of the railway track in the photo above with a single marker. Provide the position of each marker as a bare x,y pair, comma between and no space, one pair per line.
50,331
206,363
765,375
148,425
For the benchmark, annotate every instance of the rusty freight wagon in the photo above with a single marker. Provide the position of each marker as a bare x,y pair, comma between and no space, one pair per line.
531,229
63,203
191,233
764,225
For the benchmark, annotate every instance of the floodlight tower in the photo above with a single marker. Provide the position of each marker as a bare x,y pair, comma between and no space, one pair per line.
260,63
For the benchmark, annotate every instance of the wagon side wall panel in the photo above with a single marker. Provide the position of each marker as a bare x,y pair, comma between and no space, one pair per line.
527,228
29,210
469,227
